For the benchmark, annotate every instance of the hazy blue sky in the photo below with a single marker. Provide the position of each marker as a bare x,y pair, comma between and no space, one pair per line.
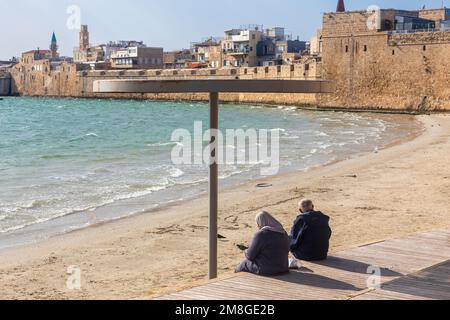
28,24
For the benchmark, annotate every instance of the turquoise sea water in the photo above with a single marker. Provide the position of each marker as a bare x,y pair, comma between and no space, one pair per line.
69,163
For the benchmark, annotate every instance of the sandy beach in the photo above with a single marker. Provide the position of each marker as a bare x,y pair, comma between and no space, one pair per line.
397,191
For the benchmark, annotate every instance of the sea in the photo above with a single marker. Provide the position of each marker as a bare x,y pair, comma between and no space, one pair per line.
67,164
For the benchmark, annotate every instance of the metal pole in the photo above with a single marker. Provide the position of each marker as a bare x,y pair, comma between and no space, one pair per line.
213,187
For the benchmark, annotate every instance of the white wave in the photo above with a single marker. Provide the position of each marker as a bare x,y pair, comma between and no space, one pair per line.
88,135
176,173
291,137
325,145
321,134
164,144
91,135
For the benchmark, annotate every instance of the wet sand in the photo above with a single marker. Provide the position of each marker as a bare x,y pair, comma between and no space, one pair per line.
400,190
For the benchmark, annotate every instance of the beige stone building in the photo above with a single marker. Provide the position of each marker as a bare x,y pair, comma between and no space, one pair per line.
239,47
31,56
379,61
177,59
207,53
315,44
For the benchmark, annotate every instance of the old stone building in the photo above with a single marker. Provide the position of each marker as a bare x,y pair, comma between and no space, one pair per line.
375,66
207,53
239,46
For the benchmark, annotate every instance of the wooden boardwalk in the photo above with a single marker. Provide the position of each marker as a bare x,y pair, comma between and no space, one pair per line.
415,267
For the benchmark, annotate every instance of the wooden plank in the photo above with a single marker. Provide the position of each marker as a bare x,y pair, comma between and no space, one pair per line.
391,262
250,292
402,256
387,295
296,292
204,86
343,275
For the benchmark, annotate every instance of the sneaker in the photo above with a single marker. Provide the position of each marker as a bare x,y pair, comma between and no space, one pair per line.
294,264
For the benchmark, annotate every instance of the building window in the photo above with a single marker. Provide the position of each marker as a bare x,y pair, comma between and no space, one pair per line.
424,48
346,48
365,48
393,52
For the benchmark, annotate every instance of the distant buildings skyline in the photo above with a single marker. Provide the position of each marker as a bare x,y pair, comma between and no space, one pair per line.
169,26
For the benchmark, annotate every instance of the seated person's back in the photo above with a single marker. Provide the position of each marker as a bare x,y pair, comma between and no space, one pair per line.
311,234
269,250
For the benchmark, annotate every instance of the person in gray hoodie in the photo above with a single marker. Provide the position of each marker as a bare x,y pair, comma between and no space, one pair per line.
269,250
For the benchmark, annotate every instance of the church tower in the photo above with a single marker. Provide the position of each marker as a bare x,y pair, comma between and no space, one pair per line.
54,47
340,6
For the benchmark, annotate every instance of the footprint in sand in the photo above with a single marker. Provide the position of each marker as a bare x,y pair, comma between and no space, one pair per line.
173,229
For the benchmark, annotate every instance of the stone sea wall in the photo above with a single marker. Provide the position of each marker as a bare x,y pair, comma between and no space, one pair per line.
5,85
67,81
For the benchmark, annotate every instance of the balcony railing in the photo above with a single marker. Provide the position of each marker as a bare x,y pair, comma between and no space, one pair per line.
236,51
416,31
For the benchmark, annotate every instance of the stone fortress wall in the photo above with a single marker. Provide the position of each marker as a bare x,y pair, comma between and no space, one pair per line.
384,70
67,81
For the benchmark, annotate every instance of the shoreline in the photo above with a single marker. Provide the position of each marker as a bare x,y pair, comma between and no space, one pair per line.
57,227
117,258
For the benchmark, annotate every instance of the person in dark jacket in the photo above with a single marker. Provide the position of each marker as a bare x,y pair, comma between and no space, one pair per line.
268,254
310,236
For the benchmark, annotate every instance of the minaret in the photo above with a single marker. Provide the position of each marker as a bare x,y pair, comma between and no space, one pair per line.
340,6
54,47
84,38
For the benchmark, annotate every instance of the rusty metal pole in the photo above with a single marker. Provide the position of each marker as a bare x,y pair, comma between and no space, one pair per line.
213,186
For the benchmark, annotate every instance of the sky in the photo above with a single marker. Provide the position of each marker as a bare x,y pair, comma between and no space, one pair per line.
172,24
